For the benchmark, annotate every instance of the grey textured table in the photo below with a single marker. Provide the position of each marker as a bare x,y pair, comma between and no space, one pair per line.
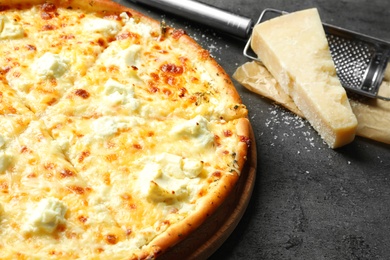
309,202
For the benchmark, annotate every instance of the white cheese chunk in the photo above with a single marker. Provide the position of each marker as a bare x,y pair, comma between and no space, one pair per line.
117,93
62,142
123,58
166,189
142,29
168,177
100,25
195,129
170,165
5,161
10,29
125,17
131,55
107,126
192,168
46,216
295,50
50,65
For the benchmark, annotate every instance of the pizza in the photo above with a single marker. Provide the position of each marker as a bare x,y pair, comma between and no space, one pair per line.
119,135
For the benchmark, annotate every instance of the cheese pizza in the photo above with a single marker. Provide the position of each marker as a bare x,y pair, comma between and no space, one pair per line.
119,135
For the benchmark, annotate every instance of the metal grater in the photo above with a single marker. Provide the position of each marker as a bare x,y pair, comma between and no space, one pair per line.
360,60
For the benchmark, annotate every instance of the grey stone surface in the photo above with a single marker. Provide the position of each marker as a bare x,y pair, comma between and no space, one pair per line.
309,202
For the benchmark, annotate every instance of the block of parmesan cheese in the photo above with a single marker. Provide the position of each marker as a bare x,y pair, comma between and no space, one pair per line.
295,50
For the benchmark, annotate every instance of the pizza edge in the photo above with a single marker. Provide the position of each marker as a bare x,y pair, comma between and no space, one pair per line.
108,7
214,199
210,203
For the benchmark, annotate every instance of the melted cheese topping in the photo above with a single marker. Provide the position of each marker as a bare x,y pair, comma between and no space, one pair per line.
10,29
55,49
110,133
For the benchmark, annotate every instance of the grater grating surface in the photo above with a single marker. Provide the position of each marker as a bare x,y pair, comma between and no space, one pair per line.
351,59
360,60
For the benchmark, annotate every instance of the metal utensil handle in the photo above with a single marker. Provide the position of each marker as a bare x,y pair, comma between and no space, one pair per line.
225,21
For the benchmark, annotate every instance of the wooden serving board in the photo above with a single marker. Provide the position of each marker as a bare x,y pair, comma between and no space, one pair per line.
202,243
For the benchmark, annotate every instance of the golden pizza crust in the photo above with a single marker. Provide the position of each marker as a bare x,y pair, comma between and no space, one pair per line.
208,204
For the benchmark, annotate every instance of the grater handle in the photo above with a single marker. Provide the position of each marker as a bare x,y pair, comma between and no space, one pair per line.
224,21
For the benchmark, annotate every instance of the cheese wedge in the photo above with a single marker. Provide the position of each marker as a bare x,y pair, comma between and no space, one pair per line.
295,50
